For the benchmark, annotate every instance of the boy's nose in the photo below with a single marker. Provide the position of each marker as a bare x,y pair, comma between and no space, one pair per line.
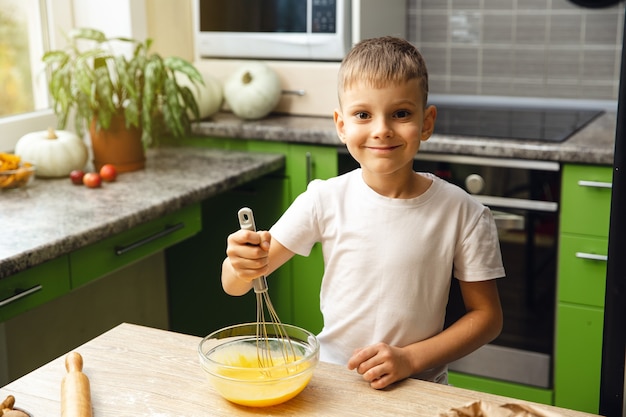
383,129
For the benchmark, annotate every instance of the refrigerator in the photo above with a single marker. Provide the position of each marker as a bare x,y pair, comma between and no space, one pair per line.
612,385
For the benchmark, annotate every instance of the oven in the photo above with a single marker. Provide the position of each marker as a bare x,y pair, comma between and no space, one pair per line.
524,199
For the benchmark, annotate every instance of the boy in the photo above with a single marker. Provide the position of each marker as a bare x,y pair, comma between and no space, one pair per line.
391,237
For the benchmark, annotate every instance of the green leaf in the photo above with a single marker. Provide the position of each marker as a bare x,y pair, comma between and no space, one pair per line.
177,64
87,33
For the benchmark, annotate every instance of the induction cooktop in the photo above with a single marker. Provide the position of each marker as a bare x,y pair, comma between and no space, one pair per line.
543,125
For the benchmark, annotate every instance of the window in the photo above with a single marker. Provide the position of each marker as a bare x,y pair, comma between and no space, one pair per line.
24,36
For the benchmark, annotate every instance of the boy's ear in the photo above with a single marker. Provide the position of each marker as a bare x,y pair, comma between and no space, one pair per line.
339,125
430,115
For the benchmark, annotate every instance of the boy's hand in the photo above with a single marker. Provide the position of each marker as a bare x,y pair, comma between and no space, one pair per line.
248,252
381,364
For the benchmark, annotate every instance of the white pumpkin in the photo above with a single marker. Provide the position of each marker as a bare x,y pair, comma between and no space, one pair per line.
55,154
253,90
209,96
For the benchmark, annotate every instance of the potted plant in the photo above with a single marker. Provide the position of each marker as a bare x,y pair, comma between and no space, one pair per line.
111,91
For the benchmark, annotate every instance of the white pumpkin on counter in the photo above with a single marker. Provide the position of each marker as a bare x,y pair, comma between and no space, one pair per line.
54,153
252,91
209,96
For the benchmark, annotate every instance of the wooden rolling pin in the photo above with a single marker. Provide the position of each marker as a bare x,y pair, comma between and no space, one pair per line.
75,391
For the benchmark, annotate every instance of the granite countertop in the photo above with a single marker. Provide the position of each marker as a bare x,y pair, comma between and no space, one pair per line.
52,217
593,144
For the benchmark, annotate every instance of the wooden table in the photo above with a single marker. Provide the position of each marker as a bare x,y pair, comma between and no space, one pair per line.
141,371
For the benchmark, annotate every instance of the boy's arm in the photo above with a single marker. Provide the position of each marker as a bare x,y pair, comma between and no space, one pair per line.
248,258
382,364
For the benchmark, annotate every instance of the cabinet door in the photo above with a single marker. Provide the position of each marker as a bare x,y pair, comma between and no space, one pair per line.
198,304
578,356
582,270
308,163
586,200
33,287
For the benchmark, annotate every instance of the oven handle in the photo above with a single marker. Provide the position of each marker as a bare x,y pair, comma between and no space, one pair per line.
508,221
592,256
595,184
518,203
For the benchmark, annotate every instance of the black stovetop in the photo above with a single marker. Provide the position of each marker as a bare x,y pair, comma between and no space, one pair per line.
543,125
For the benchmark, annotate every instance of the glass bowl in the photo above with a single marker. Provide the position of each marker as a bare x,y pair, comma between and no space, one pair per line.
17,178
230,358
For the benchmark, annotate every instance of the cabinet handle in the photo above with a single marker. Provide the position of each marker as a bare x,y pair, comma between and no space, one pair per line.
120,250
591,256
595,184
309,167
20,295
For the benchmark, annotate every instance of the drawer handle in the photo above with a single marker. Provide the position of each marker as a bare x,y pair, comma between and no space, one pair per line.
595,184
20,295
308,160
120,250
591,256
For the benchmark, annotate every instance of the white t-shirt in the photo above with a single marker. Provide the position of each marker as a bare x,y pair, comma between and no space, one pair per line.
388,262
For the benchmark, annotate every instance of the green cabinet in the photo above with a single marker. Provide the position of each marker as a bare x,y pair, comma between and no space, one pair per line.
197,301
583,245
42,283
98,259
498,387
35,286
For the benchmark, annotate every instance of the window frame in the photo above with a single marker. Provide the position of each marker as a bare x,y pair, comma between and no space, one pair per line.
122,17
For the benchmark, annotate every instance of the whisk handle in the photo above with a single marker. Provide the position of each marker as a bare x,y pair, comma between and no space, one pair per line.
246,222
246,219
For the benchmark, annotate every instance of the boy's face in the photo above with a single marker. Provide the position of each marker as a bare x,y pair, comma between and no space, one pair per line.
384,127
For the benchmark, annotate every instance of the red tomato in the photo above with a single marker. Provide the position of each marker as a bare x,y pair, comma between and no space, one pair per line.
92,180
77,176
108,172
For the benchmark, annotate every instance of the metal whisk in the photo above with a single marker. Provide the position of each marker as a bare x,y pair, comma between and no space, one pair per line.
280,337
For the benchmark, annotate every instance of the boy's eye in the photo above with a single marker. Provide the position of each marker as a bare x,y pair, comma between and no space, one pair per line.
361,115
401,114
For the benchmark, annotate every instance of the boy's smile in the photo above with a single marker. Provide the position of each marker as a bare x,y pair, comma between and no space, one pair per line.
382,129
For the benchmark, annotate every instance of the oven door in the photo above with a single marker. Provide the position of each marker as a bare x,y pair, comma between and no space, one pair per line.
526,214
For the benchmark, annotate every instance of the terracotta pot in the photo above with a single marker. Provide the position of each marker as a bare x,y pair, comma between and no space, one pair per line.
117,145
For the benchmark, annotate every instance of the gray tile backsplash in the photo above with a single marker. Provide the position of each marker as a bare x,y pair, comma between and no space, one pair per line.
519,48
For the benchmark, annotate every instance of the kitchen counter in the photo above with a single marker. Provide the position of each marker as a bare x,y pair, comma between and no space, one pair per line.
141,371
593,144
52,217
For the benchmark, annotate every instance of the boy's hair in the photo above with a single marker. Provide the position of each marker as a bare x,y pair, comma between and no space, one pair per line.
382,61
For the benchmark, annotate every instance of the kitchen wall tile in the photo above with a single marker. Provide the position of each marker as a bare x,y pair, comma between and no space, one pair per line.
497,62
529,63
529,88
434,4
497,28
532,4
497,5
491,87
525,48
531,28
469,86
565,29
559,63
601,28
464,61
436,60
465,4
564,5
599,65
438,84
598,92
433,28
465,26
